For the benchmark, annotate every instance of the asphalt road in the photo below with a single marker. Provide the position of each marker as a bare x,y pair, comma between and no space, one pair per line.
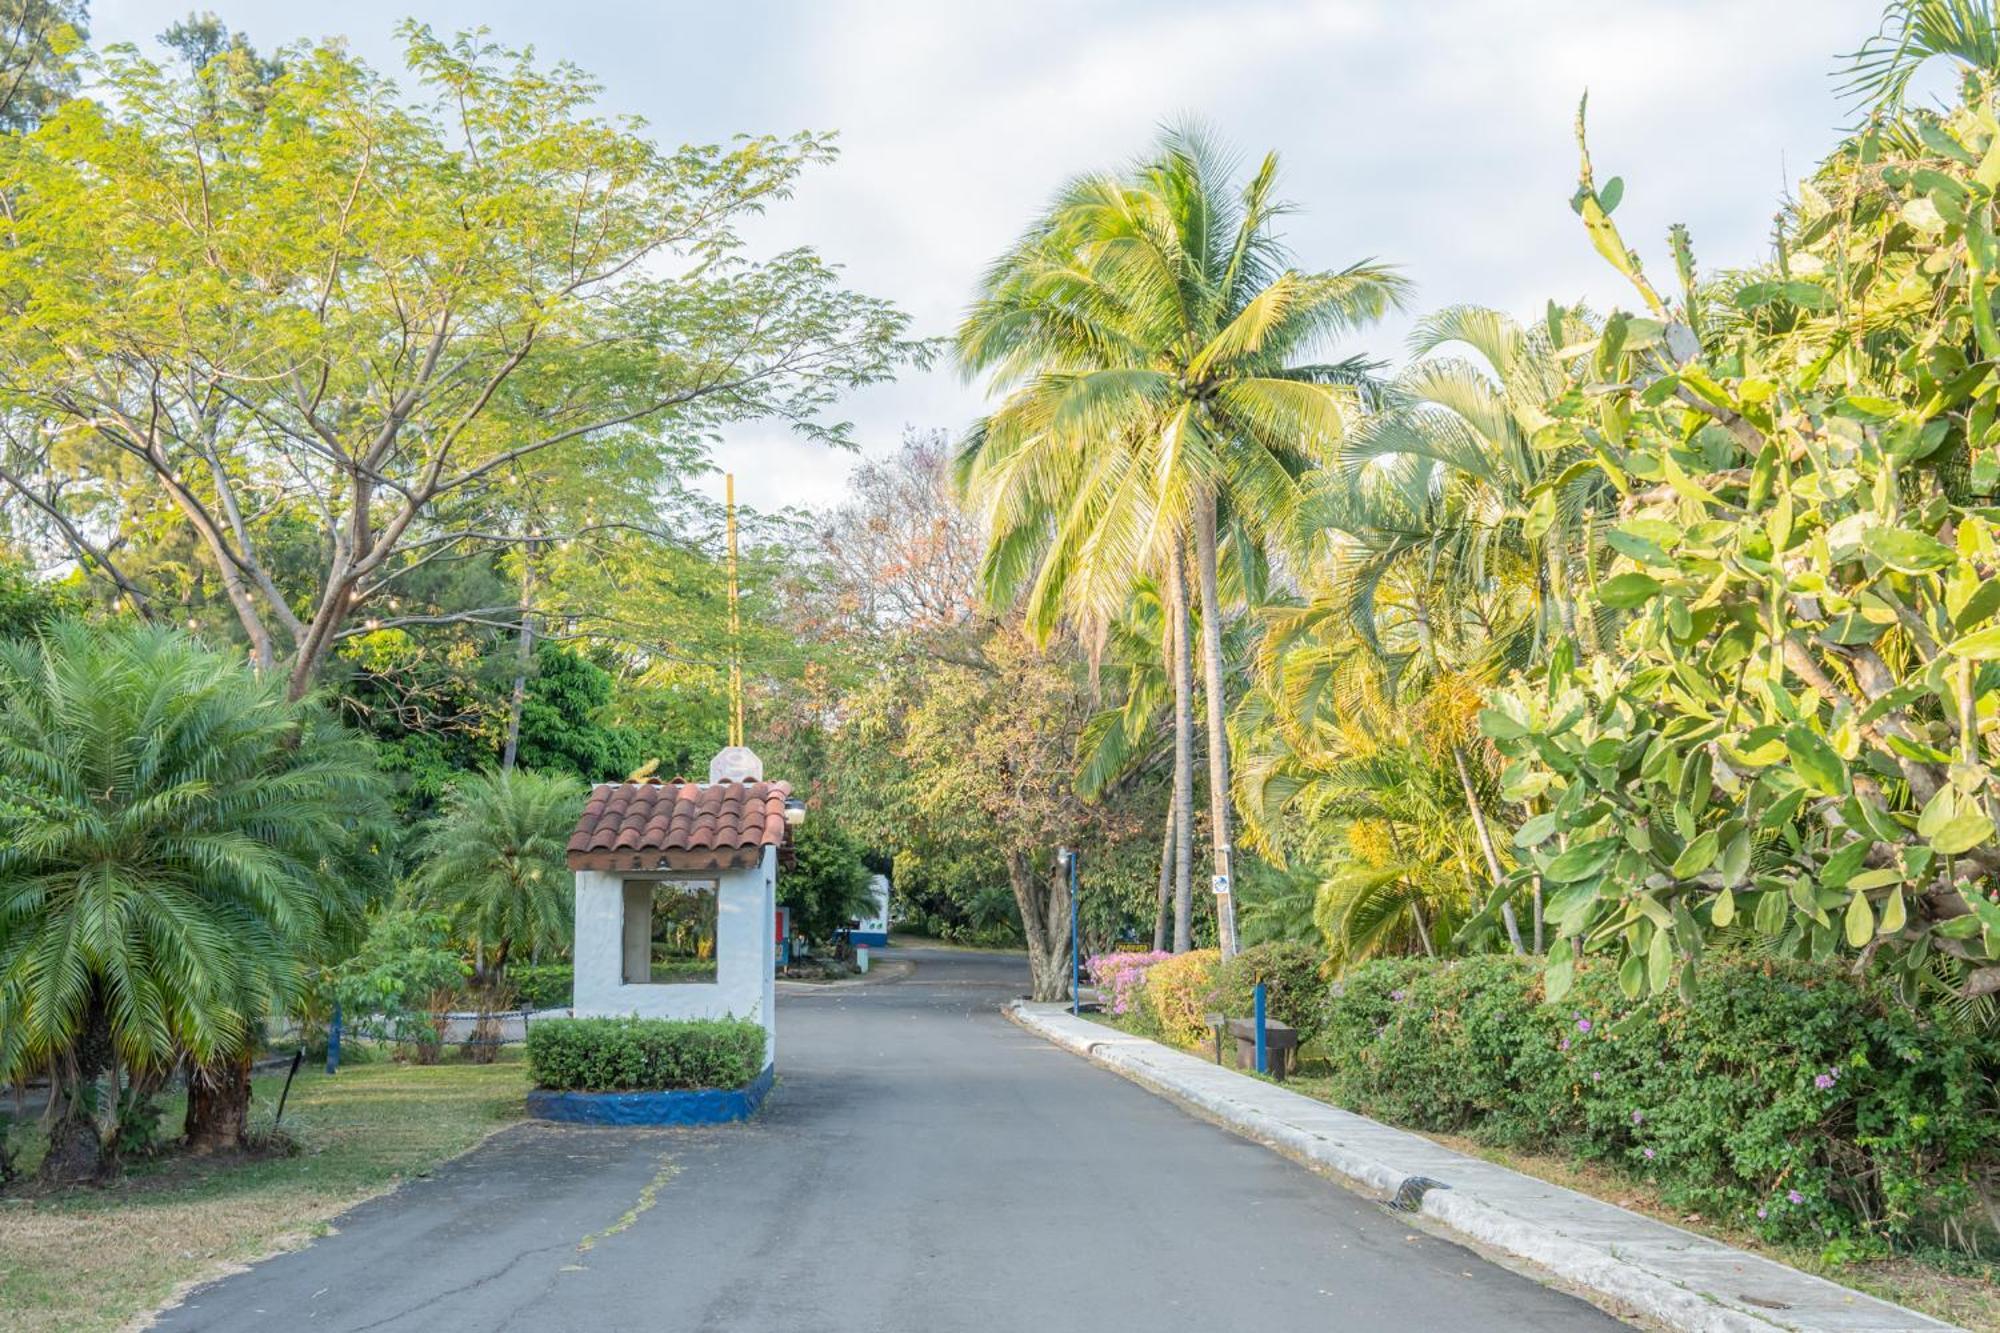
924,1166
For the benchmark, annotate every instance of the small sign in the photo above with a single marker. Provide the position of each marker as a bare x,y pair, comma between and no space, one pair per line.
1220,883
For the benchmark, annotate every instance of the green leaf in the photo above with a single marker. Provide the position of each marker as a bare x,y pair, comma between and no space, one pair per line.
1860,921
1627,590
1985,599
1815,762
1581,862
1967,830
1535,831
1632,976
1660,961
1500,726
1980,645
1560,973
1894,913
1770,915
1724,910
1908,552
1736,859
1696,856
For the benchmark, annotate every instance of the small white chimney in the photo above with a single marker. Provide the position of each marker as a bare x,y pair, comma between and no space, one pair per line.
736,763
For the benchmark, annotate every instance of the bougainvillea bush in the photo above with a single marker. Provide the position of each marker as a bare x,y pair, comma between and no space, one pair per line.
1782,1096
1174,1002
1118,977
1290,975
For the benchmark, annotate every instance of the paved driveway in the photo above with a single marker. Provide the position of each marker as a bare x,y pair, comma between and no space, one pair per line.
923,1165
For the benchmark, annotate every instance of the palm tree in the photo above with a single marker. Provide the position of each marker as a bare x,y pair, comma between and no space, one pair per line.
177,841
1155,350
493,861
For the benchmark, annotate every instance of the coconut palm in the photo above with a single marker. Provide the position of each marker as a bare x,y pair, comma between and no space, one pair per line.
177,842
493,861
1156,353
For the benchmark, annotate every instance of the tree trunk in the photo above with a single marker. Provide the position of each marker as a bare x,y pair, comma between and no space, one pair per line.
1163,914
1486,845
1218,734
76,1154
524,658
1041,902
1183,821
218,1105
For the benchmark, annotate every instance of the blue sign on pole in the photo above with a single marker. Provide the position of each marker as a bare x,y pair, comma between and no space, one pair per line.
1257,1000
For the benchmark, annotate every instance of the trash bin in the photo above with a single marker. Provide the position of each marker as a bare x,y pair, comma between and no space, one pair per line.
861,956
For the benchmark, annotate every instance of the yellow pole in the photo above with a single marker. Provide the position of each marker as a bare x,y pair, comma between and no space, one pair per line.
735,629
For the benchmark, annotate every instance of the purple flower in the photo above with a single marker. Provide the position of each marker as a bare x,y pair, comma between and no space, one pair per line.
1649,1154
1793,1196
1597,1076
1822,1081
1563,1045
1583,1025
1763,1212
1638,1117
1396,995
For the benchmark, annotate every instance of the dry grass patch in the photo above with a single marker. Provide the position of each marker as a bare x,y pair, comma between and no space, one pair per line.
100,1259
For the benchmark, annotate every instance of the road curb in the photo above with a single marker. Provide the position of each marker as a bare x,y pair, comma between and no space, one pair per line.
1681,1280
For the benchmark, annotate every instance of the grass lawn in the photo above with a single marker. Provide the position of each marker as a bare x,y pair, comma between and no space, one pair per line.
1958,1290
96,1258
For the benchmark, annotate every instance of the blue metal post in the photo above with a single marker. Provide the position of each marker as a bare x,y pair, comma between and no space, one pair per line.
333,1041
1075,956
1257,1012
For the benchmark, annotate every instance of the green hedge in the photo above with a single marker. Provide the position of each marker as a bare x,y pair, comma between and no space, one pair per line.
1785,1097
643,1054
1293,989
543,985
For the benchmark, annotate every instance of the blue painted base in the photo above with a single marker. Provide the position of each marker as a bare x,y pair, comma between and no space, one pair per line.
701,1106
874,939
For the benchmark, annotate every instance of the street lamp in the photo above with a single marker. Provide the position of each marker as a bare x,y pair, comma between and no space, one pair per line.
1069,858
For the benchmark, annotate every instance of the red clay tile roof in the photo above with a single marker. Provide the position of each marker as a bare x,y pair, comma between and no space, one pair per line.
678,825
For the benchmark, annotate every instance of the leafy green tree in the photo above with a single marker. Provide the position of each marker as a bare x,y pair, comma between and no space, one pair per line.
401,979
1789,746
493,862
178,841
561,726
29,604
38,39
827,885
357,319
1158,351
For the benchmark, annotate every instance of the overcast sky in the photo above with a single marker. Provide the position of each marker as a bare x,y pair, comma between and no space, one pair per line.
1433,134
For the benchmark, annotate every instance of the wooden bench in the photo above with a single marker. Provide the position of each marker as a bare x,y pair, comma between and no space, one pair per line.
1281,1043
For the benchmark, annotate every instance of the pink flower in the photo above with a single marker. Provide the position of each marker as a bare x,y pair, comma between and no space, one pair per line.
1793,1196
1649,1154
1638,1117
1763,1212
1563,1045
1583,1025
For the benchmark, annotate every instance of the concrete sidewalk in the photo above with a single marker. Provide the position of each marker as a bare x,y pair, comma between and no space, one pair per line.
1681,1279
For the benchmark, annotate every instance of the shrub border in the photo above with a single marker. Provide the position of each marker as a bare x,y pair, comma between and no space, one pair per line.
697,1106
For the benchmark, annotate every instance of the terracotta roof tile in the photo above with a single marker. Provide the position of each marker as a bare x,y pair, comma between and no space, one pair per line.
678,824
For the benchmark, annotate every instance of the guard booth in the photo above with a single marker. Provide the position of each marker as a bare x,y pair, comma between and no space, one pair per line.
676,890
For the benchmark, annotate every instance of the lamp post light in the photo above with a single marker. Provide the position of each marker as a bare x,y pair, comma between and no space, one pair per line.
1075,954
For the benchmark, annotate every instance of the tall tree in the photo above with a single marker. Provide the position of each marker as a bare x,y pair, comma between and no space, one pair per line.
176,842
38,39
1157,354
355,314
493,861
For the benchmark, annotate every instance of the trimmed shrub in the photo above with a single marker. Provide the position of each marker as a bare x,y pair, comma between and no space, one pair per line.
643,1054
1175,997
1785,1097
1118,977
543,985
1294,992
